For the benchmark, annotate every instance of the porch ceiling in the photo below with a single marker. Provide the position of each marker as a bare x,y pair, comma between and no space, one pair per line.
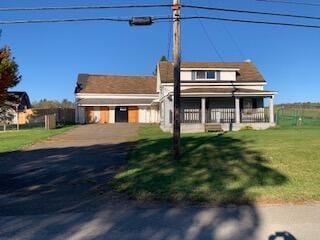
226,92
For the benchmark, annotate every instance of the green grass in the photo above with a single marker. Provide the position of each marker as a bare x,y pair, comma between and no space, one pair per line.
15,140
288,117
237,167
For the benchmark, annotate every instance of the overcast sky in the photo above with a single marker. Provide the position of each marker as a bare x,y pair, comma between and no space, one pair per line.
52,55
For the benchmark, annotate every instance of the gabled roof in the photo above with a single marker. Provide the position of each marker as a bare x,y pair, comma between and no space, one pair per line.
114,84
20,98
247,72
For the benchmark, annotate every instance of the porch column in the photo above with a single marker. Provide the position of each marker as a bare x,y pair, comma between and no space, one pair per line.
203,110
237,109
271,110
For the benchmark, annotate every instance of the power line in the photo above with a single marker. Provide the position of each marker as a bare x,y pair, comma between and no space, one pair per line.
233,40
250,12
291,2
83,7
209,38
63,20
155,19
252,21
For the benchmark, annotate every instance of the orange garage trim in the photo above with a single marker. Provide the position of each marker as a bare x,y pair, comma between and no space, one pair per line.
104,114
133,116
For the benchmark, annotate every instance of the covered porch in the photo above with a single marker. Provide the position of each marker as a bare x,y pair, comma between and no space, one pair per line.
232,110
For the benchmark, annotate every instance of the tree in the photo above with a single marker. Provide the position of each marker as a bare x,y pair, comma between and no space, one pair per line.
49,104
9,73
162,59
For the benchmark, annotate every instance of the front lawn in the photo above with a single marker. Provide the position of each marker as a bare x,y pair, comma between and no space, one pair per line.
237,167
15,140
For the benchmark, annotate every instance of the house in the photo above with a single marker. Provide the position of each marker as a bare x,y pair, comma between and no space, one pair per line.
17,105
228,94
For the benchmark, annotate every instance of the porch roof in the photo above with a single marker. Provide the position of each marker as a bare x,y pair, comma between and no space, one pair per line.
226,92
114,102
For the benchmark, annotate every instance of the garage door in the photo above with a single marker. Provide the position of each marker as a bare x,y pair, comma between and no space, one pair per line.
133,114
104,114
89,115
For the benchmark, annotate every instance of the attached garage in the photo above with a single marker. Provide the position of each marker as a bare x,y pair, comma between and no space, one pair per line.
112,99
97,114
127,114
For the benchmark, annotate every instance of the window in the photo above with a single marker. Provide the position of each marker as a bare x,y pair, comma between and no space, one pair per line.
201,74
211,74
205,75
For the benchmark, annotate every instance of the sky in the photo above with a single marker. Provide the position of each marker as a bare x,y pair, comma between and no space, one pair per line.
51,56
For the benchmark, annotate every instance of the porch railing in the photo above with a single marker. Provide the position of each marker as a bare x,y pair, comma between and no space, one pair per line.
191,116
254,115
188,116
221,115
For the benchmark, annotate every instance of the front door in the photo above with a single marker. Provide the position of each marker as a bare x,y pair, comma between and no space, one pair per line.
121,114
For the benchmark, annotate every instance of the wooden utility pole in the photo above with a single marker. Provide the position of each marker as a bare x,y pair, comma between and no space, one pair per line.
176,78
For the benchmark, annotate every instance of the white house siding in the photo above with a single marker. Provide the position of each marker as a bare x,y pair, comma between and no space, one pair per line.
148,114
81,118
227,76
186,75
166,108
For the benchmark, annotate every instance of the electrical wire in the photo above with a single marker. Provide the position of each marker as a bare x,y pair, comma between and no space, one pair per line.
209,38
249,12
235,43
291,2
84,7
252,21
156,19
10,22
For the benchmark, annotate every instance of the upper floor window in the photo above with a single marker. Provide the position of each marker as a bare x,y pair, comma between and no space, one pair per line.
205,75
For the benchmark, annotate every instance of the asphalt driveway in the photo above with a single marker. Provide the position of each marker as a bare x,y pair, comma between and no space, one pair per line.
58,189
68,172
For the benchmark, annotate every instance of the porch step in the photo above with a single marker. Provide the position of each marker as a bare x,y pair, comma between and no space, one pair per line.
213,127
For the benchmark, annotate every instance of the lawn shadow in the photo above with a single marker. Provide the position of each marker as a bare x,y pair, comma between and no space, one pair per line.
217,169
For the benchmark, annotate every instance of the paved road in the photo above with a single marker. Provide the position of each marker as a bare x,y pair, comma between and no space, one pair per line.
58,189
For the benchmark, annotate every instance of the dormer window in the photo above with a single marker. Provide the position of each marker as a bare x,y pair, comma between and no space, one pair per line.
206,75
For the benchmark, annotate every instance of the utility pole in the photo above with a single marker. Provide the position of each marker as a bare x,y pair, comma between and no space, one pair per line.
176,78
146,21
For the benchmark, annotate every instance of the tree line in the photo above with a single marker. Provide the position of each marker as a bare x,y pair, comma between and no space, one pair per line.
49,104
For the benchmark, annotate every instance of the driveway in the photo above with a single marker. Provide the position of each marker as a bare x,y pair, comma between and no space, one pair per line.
58,189
68,172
